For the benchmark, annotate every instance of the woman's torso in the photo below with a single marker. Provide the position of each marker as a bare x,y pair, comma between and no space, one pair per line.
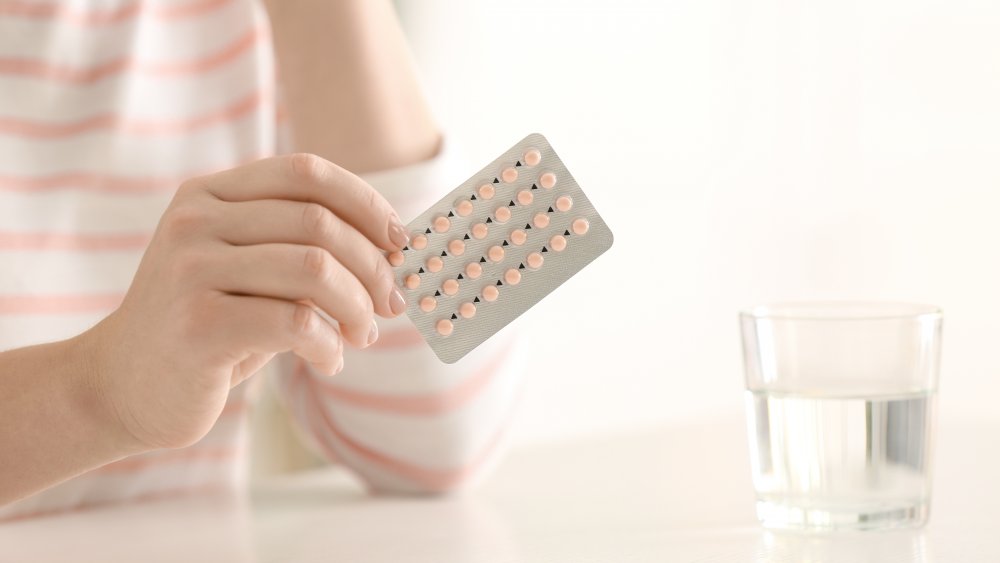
105,107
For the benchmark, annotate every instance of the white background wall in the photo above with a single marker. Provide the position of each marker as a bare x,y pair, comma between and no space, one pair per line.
743,152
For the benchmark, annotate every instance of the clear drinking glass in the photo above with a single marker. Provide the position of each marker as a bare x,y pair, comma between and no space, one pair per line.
840,410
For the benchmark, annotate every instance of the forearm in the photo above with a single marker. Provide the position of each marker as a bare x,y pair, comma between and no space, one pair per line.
53,421
349,83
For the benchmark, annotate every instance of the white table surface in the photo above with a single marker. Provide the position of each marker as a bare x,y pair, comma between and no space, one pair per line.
673,494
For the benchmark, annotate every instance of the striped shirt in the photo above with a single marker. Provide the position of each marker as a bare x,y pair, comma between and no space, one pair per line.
105,107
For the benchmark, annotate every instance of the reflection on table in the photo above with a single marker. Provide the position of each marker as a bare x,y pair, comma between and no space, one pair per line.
670,494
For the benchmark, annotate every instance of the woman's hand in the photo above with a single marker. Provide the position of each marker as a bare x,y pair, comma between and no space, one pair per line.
231,278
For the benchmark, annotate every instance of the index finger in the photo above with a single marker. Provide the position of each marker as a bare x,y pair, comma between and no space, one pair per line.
309,178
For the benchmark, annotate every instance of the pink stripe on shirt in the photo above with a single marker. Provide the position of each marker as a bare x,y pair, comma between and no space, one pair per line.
42,69
435,403
119,123
59,11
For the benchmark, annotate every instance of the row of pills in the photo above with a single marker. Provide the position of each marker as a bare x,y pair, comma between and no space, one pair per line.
502,214
494,254
479,231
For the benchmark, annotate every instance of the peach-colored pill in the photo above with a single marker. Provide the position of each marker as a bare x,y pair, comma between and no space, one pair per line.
534,260
449,287
396,259
473,270
434,264
540,221
412,281
464,208
524,197
428,304
512,276
441,224
444,327
495,253
558,243
518,237
487,191
456,247
564,203
480,230
532,157
490,293
467,310
581,226
502,214
547,180
418,242
509,174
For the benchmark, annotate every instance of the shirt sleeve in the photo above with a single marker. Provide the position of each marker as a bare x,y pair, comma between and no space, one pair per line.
401,419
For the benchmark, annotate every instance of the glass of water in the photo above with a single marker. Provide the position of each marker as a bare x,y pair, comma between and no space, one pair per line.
840,410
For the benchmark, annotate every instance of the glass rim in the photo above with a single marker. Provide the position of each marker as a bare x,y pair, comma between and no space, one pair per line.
841,311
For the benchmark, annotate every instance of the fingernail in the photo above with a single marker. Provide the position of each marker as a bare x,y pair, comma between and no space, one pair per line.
397,303
397,234
340,366
373,334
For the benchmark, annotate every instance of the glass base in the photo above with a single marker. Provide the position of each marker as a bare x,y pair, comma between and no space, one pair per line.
781,516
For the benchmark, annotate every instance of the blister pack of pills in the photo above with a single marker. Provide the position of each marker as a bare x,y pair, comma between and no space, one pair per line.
495,246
